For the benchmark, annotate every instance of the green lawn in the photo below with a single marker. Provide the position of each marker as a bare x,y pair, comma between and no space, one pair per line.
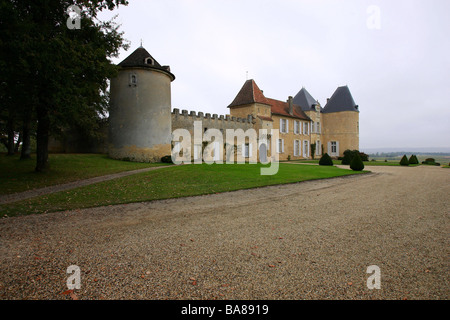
18,175
173,182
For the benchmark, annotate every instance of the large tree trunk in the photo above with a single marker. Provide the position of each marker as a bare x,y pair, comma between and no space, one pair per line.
26,150
17,145
11,136
42,139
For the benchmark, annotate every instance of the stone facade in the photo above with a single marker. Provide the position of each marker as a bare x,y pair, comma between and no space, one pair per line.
141,122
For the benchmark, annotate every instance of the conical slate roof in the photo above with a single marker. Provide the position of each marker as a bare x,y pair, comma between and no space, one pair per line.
341,100
142,59
304,99
249,93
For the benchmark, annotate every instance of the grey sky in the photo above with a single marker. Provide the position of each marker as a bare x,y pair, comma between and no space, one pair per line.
399,75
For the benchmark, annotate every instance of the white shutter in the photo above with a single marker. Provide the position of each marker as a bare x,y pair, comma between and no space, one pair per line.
282,145
278,146
337,148
329,148
287,126
281,125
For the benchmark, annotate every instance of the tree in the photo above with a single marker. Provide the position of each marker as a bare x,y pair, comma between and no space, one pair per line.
313,150
413,159
56,76
404,161
326,160
357,164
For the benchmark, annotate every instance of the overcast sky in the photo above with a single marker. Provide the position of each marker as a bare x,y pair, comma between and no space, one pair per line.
397,67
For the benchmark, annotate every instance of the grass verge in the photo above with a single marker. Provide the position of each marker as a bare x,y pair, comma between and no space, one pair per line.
18,175
173,182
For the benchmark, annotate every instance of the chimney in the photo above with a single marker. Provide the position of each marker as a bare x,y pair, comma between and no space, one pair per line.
291,106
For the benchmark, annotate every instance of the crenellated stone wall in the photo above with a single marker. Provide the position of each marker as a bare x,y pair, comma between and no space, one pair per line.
185,120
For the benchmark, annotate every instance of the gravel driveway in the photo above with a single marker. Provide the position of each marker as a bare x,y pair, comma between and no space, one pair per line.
311,240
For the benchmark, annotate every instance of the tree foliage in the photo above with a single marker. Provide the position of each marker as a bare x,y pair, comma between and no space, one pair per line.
404,161
52,76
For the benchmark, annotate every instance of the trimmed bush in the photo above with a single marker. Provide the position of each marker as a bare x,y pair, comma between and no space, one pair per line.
325,160
348,155
357,164
166,159
431,163
413,159
404,161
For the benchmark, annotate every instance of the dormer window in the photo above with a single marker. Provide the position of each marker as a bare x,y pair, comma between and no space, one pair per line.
133,80
149,61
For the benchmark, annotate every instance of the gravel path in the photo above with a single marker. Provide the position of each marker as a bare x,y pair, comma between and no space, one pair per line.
311,240
70,185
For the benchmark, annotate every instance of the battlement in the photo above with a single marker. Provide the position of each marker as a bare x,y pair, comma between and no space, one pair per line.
200,116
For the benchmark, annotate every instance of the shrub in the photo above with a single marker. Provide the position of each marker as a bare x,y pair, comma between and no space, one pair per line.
429,160
166,159
325,160
348,155
404,161
364,156
357,164
413,159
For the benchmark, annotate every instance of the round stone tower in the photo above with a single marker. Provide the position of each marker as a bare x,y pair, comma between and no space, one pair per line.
140,125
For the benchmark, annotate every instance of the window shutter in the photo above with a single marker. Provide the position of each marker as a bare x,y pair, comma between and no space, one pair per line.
337,148
278,146
329,148
282,145
287,125
281,125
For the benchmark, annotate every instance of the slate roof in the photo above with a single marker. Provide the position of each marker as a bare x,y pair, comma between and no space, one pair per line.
305,100
138,59
341,100
249,93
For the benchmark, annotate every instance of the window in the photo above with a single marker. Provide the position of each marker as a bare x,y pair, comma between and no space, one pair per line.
132,80
318,148
280,146
305,148
296,148
305,127
247,150
284,126
296,127
333,146
318,127
148,61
